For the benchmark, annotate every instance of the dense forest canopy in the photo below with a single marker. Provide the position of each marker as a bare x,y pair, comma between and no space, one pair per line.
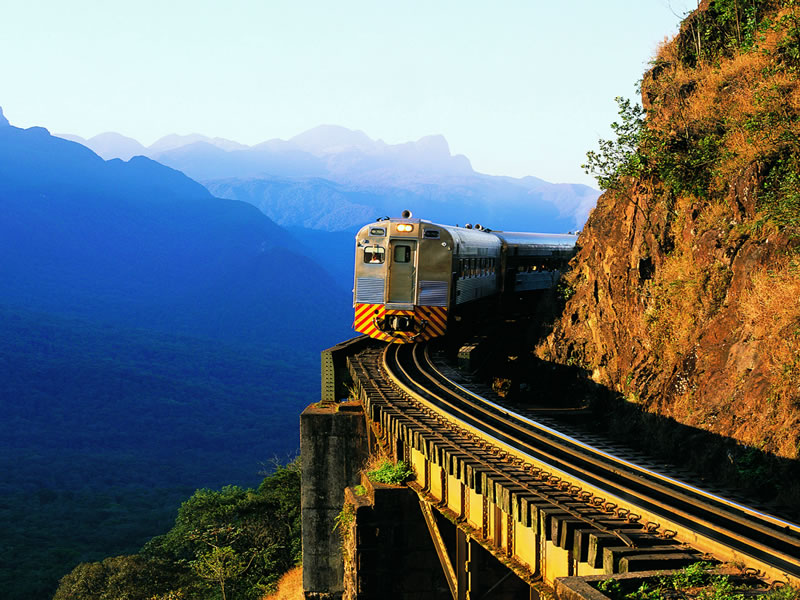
234,542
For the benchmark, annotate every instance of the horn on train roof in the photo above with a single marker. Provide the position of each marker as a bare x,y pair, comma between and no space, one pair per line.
406,214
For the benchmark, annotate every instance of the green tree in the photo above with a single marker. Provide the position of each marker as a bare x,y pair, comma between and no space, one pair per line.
220,564
619,157
131,577
234,542
261,526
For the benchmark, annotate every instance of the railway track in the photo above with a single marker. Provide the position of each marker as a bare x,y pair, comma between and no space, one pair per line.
599,492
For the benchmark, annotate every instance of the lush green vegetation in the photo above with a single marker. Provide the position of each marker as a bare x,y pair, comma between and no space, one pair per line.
234,542
106,430
694,581
708,123
48,531
391,473
619,157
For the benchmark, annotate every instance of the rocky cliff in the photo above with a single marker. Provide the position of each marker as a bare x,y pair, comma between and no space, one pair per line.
685,296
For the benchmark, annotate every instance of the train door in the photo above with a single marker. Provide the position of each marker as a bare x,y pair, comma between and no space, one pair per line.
402,271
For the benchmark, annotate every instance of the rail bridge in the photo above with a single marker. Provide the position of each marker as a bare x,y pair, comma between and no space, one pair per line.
503,504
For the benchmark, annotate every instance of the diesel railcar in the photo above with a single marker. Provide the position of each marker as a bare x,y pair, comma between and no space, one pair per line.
412,276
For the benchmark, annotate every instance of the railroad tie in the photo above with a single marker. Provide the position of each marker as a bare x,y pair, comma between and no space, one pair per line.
600,539
650,562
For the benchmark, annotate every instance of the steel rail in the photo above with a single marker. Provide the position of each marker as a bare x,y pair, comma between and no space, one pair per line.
589,520
777,521
771,532
741,532
742,540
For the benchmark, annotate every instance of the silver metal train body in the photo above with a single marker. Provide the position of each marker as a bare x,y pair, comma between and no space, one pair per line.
413,276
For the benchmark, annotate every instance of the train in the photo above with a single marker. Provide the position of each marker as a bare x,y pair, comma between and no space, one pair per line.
414,277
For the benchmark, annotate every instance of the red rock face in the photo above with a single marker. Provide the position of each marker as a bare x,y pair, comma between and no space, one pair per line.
665,327
685,300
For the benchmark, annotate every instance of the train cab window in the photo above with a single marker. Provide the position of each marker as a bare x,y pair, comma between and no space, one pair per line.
374,255
402,254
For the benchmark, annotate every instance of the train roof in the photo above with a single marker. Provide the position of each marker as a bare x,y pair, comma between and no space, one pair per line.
557,241
469,234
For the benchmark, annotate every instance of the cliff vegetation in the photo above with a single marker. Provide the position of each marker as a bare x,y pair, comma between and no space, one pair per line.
229,543
684,298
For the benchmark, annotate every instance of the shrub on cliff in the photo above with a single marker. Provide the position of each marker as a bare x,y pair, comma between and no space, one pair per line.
232,542
390,473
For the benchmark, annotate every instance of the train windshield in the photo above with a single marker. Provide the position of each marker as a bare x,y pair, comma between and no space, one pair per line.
374,255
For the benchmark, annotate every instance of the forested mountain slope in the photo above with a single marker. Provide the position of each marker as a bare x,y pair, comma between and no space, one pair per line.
139,244
153,339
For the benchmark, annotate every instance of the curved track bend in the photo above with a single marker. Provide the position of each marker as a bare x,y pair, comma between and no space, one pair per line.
707,521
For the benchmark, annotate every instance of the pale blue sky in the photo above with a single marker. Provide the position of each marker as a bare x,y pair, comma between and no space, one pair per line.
521,87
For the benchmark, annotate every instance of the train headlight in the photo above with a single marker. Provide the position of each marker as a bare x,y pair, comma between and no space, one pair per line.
405,227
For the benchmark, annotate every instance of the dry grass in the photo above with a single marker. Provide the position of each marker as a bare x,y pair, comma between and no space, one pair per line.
716,216
687,291
666,52
746,103
770,313
670,316
772,301
375,461
290,586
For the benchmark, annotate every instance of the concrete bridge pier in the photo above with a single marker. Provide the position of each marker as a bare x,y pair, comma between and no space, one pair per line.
333,449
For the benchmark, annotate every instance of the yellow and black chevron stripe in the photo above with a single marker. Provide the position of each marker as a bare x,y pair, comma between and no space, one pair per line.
367,314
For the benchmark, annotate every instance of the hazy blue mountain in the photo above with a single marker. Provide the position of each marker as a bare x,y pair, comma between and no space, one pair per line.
353,157
331,177
307,203
172,141
517,204
141,244
155,339
330,152
110,145
3,121
205,160
114,145
333,249
332,139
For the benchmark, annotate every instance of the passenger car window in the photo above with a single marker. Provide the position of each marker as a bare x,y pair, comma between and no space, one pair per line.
402,254
374,255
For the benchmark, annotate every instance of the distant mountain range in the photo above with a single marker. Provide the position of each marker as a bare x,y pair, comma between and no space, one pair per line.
141,244
332,178
155,339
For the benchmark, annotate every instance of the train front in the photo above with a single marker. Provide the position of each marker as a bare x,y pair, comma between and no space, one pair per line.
402,279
